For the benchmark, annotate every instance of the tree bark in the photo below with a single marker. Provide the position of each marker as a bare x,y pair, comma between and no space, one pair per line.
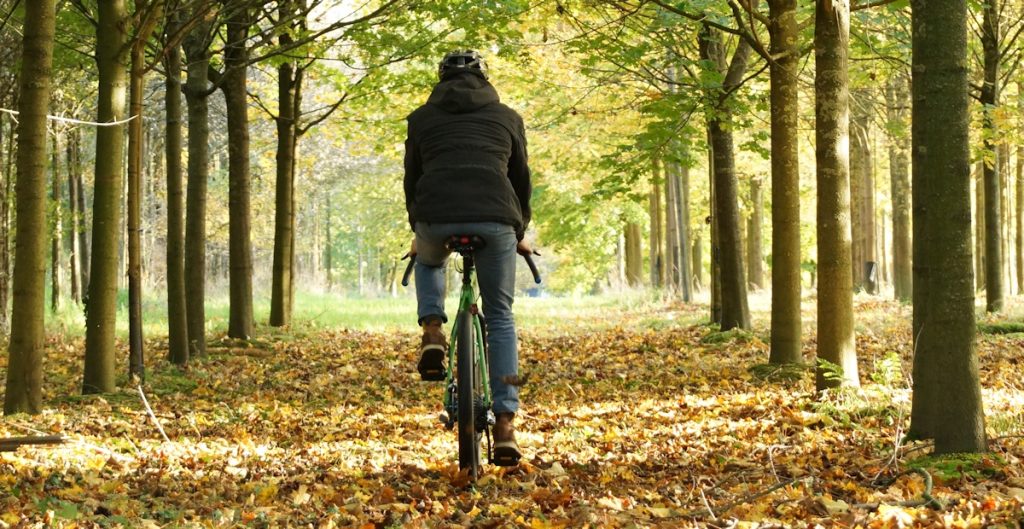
672,252
993,206
634,261
656,255
236,57
1019,218
784,82
6,188
111,59
899,176
196,46
289,84
74,219
24,388
177,316
862,196
137,72
56,246
755,253
735,312
836,343
979,227
947,403
83,225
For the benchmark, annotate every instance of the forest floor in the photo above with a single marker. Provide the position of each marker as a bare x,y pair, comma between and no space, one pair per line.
639,418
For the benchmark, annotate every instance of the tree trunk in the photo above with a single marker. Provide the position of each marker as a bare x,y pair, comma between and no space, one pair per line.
111,59
24,389
993,205
136,355
835,282
728,247
784,77
196,46
899,175
698,263
289,83
56,246
5,227
755,254
947,403
862,196
1004,210
634,261
979,227
236,57
655,253
177,317
672,253
74,219
682,175
1019,218
83,224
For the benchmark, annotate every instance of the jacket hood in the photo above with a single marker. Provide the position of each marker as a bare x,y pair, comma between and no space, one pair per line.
464,92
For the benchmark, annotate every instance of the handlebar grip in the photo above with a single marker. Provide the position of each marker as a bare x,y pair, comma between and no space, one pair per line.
408,269
533,267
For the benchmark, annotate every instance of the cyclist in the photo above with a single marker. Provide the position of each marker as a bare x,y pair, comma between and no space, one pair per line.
466,173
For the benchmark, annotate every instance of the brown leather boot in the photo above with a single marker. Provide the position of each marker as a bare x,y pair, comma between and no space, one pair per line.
506,450
433,348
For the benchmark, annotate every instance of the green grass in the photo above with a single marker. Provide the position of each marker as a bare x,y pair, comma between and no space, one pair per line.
315,311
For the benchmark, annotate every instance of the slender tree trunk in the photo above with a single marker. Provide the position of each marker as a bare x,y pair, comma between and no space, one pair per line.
328,255
111,59
56,246
177,316
672,253
947,403
979,226
655,253
197,83
755,254
899,175
835,282
1004,210
83,224
5,226
24,389
734,311
698,263
634,261
784,81
990,35
136,355
1019,218
74,219
862,196
682,174
289,84
236,57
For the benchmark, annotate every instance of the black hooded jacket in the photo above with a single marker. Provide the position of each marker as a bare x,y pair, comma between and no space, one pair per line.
465,157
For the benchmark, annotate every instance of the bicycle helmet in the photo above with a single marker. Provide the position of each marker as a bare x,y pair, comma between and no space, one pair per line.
462,60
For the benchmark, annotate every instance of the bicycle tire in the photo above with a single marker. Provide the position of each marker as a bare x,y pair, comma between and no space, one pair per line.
469,441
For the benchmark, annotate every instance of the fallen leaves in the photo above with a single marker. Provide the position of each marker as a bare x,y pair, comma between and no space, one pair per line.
623,427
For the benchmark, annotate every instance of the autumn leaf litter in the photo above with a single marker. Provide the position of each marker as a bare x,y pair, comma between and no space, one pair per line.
623,426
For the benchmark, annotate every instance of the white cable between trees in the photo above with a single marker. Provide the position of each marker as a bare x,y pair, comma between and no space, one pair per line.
74,121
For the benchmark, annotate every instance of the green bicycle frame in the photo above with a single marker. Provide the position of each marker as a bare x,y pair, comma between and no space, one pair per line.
467,304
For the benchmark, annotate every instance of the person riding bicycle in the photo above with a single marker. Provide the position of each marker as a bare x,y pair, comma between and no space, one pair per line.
466,173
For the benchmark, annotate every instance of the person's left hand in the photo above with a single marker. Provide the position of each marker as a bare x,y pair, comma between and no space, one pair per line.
412,248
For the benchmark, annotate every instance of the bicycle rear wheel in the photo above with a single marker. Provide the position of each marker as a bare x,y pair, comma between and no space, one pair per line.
469,440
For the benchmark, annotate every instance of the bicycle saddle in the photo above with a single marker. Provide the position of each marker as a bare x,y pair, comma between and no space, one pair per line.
465,244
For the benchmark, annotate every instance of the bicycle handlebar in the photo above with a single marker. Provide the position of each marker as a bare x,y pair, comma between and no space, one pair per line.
529,262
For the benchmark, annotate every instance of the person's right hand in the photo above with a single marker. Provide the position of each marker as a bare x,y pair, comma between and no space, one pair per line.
523,248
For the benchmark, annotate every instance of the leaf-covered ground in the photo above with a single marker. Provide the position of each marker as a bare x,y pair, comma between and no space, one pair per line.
639,421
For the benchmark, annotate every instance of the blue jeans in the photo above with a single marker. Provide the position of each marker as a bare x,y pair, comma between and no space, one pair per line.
496,275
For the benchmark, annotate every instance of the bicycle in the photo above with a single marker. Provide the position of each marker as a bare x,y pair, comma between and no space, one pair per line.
467,396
